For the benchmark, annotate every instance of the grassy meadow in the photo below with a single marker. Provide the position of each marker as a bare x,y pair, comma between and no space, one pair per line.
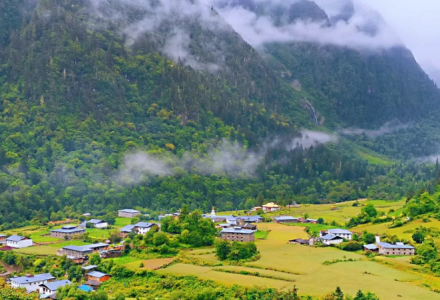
303,266
342,214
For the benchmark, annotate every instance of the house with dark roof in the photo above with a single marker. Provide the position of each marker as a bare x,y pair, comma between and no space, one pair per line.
81,251
249,226
371,247
68,231
331,239
50,288
128,213
16,241
237,234
31,282
251,219
126,230
286,219
299,241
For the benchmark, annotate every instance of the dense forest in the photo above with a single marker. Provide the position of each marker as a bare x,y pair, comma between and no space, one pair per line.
92,121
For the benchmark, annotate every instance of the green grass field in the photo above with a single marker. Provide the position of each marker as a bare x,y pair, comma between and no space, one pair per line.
375,159
121,222
149,264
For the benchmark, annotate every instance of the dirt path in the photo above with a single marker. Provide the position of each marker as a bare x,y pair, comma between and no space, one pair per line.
9,269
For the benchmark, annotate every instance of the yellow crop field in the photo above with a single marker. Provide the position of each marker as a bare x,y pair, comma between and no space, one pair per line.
150,264
387,277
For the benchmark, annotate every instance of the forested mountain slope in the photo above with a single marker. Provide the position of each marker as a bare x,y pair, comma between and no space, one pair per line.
83,84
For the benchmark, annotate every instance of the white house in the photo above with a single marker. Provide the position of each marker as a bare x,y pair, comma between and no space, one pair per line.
50,288
343,233
330,239
143,227
31,282
16,241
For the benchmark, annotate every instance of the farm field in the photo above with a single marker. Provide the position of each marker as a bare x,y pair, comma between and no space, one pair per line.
344,212
226,278
388,278
404,231
150,264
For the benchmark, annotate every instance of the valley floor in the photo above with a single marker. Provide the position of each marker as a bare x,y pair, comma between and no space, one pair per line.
302,266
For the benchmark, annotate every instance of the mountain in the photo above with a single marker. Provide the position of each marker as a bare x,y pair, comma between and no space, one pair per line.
154,104
351,83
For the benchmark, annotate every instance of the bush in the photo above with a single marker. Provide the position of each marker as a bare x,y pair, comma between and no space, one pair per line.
160,238
352,246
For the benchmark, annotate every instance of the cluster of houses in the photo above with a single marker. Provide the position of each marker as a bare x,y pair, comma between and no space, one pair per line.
47,285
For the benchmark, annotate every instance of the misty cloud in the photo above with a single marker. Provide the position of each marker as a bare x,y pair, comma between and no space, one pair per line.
167,20
260,29
230,159
388,127
311,138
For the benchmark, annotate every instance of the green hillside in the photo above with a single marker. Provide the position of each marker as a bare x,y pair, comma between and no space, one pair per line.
80,90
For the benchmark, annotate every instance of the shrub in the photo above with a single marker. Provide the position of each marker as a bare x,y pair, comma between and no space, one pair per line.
352,246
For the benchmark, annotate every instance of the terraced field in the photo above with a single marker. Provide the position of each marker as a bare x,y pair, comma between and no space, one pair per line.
389,279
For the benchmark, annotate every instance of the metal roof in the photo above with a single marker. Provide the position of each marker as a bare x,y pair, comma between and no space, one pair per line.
53,286
127,228
95,221
32,279
89,267
339,231
97,274
251,218
72,230
330,237
85,248
144,224
2,235
15,238
237,230
391,246
371,247
283,218
130,210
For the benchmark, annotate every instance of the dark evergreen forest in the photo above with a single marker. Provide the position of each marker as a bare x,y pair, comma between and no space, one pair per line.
77,97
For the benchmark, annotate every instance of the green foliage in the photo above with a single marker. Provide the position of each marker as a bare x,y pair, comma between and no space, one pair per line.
222,249
351,246
95,259
234,250
160,238
368,238
192,227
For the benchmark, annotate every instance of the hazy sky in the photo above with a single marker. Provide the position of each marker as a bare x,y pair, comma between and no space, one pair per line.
417,23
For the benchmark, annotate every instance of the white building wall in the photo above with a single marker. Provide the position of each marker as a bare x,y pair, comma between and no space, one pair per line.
143,230
30,287
20,244
331,242
101,225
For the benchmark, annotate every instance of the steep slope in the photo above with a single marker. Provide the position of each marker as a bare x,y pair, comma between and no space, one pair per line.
82,86
351,82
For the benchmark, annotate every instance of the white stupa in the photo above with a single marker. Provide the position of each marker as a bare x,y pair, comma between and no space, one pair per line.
213,212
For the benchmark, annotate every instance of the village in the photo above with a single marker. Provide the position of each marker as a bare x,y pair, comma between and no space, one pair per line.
231,228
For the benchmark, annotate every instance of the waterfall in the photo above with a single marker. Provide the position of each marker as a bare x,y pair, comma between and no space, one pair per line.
315,118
